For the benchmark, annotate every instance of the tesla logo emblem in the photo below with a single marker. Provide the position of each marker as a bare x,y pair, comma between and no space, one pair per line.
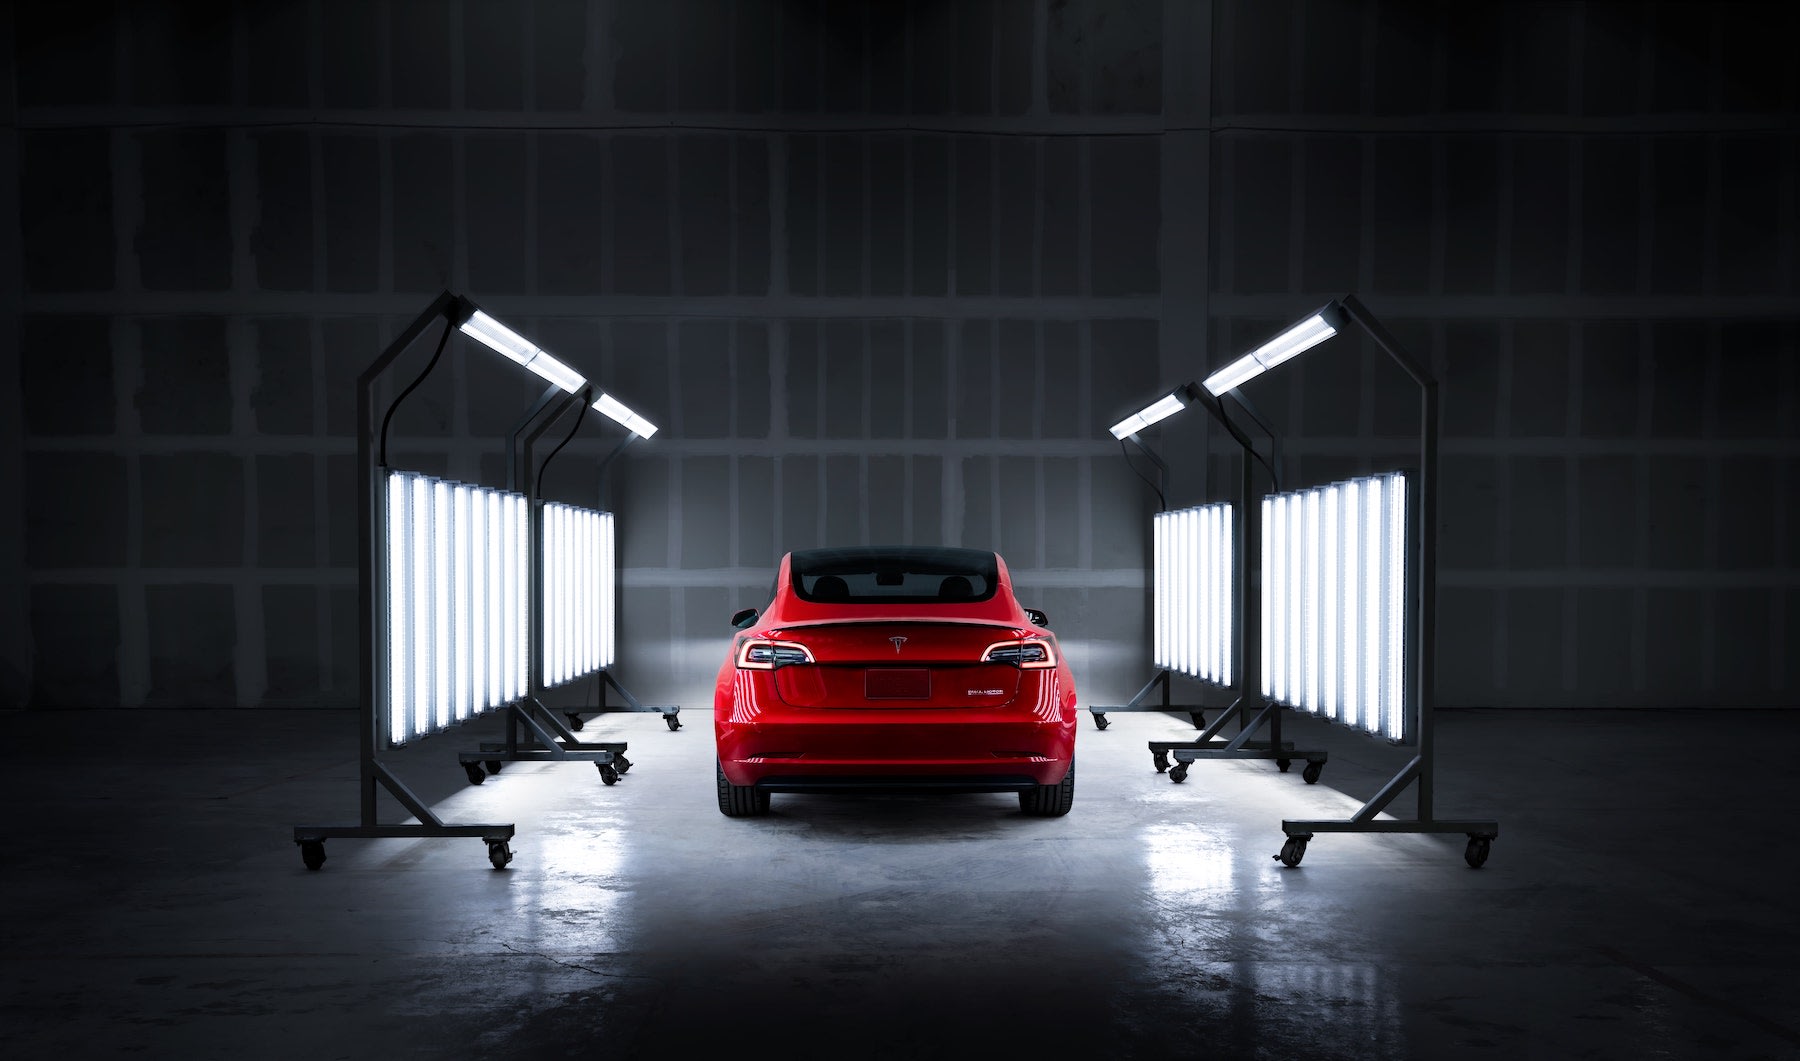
898,641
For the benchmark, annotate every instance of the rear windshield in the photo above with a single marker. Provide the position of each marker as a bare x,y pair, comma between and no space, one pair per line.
873,575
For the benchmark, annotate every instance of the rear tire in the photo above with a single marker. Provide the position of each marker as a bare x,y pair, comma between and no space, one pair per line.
1050,801
740,801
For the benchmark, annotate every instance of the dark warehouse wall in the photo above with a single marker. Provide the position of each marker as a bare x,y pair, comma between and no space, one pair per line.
886,272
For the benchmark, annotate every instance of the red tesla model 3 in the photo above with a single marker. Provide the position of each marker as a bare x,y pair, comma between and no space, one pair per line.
900,668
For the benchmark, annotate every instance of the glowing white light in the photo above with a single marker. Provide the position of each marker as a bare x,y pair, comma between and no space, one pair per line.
517,347
1301,337
521,589
1334,595
399,655
631,421
1193,585
447,563
608,599
420,626
1161,409
578,593
1244,368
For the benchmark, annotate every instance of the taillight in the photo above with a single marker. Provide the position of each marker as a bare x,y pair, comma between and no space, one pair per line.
1030,654
767,655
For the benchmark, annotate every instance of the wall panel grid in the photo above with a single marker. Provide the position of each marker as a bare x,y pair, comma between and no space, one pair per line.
578,593
1193,573
1334,602
455,582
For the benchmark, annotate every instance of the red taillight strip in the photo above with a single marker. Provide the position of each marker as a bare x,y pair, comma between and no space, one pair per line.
1046,663
744,661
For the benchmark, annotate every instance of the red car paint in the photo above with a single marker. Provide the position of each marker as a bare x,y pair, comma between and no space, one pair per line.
888,689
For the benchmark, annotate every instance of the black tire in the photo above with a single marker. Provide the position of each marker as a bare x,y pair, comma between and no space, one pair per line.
609,774
1312,772
1050,801
1292,851
1476,854
1100,722
673,722
312,852
739,801
1178,773
493,766
476,774
575,722
499,853
1283,764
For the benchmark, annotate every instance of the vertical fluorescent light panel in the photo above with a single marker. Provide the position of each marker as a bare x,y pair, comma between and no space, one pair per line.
609,630
448,563
399,655
578,593
1334,599
463,608
1192,583
1395,722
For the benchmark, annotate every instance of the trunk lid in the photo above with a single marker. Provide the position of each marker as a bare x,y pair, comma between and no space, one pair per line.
889,664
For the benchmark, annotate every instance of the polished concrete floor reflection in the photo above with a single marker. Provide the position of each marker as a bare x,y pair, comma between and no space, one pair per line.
1639,901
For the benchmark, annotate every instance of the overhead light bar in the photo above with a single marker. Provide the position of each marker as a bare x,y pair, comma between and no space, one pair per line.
1193,580
520,349
1161,409
1334,602
454,565
616,410
1296,340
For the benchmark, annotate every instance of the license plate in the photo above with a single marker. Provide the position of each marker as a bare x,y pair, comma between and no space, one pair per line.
897,683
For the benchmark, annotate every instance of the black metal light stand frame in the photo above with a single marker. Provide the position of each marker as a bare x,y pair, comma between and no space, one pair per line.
550,739
1161,678
1422,627
670,712
1242,745
374,774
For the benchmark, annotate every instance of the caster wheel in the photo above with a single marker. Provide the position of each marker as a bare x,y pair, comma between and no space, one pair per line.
493,766
476,774
1292,851
623,764
575,722
673,722
1284,764
1311,774
312,852
499,853
1198,719
1477,851
1100,721
608,773
1178,773
1160,760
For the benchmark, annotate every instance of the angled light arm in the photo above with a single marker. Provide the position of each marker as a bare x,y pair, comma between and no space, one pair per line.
1157,411
615,410
1295,340
516,347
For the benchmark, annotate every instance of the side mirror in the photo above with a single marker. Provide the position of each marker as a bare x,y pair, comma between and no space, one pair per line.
744,620
1038,618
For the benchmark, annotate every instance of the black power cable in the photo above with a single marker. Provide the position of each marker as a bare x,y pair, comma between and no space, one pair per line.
1162,501
538,486
1274,479
448,328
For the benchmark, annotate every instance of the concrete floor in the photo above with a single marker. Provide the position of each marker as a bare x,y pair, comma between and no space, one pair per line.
1639,902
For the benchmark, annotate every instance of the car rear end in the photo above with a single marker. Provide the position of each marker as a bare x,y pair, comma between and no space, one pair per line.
908,689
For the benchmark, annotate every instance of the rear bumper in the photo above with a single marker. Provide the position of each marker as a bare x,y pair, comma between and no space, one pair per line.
900,783
860,750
